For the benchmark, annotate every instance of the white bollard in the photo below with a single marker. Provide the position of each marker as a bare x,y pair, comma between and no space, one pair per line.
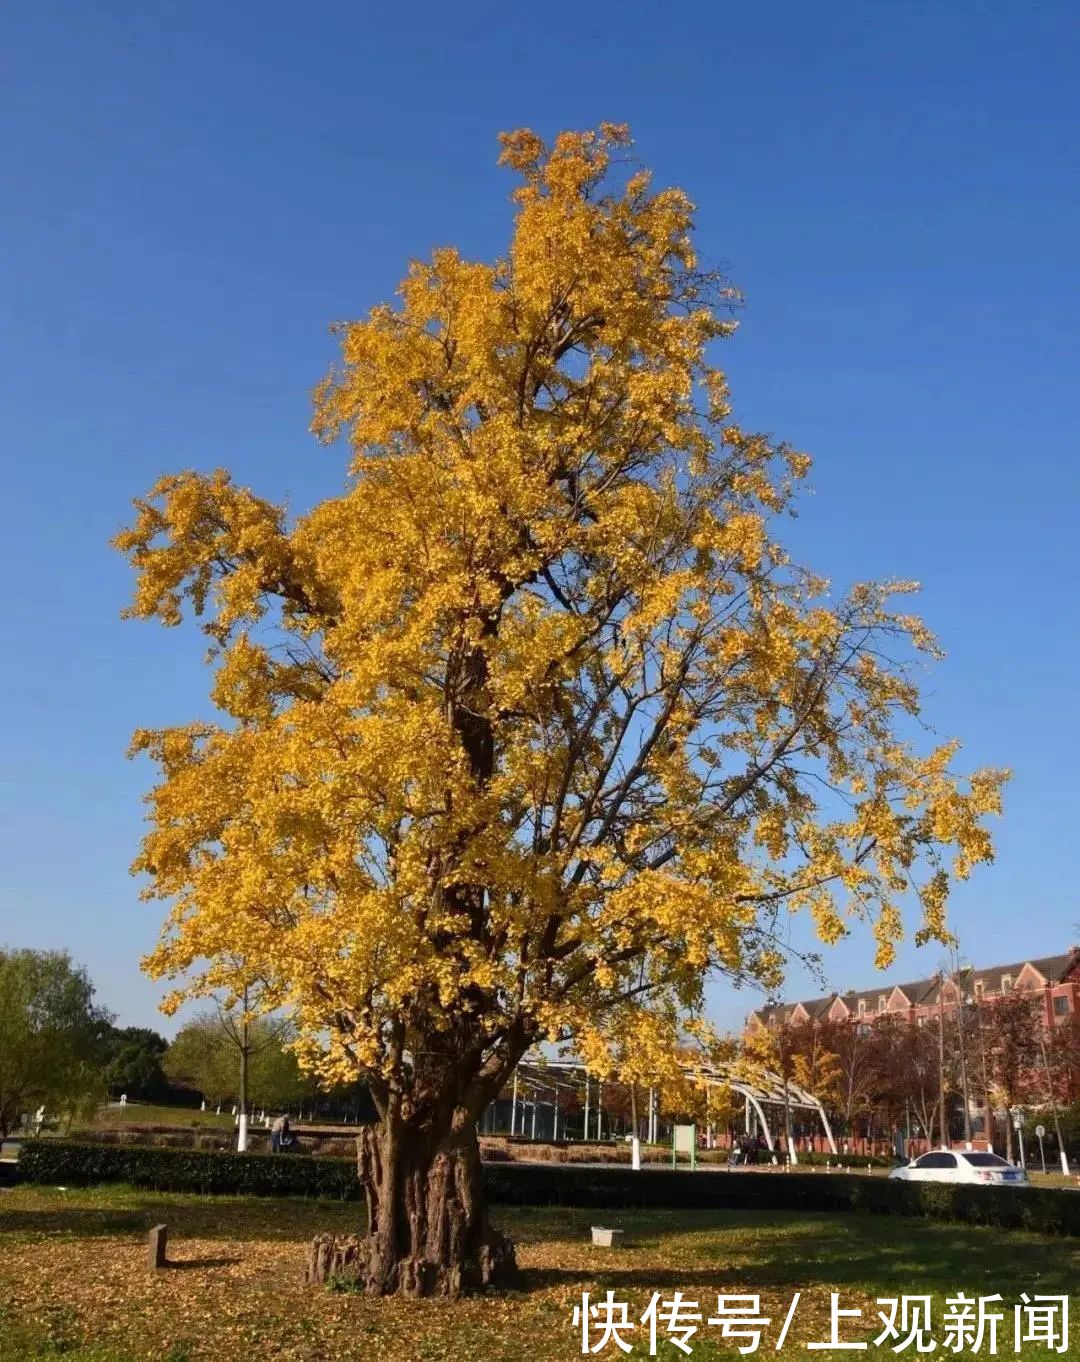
242,1136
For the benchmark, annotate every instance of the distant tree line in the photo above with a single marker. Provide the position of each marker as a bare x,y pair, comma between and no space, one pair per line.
956,1075
63,1052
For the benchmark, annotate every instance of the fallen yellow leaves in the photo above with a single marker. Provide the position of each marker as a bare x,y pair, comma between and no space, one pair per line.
73,1275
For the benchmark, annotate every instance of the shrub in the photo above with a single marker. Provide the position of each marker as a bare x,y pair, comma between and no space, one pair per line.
187,1170
1046,1210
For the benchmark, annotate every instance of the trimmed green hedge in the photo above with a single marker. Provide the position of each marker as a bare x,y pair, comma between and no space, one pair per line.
1047,1210
202,1171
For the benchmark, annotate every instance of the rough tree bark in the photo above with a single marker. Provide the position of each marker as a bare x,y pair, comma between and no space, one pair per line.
428,1228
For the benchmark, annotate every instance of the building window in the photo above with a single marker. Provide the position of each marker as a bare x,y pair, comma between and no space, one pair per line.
1006,983
863,1030
980,987
862,1007
1061,1006
881,1003
920,1021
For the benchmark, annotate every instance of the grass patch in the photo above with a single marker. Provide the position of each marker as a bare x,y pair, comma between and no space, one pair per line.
73,1279
145,1114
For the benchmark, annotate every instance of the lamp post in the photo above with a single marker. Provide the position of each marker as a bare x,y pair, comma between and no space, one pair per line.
963,1072
941,1060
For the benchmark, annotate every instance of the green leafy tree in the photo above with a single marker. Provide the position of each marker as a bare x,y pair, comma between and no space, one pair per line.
49,1037
133,1062
207,1054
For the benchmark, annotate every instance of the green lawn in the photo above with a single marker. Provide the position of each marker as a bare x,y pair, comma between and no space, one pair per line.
73,1280
144,1114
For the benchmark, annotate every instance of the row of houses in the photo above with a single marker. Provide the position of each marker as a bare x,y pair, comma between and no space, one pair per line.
1054,978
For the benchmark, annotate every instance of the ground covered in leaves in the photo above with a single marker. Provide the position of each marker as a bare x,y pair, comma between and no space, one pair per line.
74,1280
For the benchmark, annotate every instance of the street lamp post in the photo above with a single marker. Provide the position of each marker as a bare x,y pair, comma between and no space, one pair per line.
941,1060
963,1074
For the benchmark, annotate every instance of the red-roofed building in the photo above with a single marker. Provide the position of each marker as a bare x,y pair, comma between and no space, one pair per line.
1055,977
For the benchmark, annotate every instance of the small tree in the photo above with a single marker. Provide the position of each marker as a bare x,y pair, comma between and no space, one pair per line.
208,1053
773,1051
201,1059
1013,1024
855,1058
536,726
49,1037
918,1072
816,1061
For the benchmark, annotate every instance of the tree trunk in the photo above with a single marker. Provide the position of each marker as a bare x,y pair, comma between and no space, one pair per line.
428,1229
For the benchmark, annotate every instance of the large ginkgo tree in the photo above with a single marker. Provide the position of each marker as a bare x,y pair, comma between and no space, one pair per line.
535,725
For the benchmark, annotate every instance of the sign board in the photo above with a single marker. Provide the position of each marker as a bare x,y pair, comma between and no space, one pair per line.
1040,1131
684,1141
1018,1119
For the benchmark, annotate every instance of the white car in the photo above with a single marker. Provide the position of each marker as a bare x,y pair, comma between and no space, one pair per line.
961,1165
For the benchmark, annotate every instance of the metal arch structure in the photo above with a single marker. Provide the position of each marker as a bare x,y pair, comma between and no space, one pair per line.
766,1089
769,1089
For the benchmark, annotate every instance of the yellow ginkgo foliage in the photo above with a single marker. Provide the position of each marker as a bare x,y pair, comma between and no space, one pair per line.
535,725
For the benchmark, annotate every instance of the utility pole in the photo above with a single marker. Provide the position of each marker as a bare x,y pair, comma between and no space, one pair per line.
963,1055
941,1060
982,1064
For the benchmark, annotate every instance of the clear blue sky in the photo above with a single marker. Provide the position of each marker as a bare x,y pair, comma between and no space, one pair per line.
192,193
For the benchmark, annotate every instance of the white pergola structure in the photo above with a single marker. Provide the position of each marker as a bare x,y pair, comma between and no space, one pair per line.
538,1075
764,1089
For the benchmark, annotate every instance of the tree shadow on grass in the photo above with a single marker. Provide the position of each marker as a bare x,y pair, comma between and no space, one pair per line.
191,1217
883,1255
78,1223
